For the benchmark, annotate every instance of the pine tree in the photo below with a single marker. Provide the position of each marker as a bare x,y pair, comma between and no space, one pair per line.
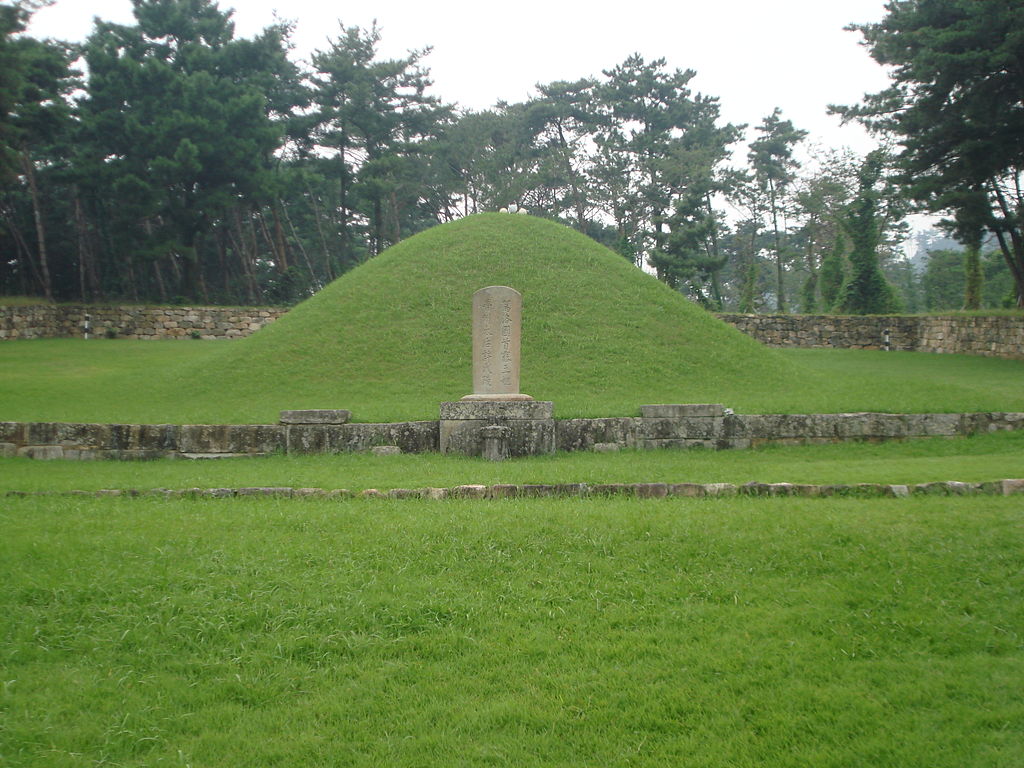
955,106
973,277
866,291
832,274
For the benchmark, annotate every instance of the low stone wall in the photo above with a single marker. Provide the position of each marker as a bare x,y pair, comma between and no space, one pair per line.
1009,487
47,440
69,321
990,336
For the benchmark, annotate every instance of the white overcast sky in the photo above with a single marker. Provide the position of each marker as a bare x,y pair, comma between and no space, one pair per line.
752,54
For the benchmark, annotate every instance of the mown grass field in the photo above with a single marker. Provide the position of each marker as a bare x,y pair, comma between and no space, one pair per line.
743,632
975,459
540,632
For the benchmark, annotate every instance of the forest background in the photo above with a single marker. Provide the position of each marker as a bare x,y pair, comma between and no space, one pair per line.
170,161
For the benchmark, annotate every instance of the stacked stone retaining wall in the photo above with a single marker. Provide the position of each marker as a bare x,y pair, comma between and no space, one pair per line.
130,322
990,336
47,440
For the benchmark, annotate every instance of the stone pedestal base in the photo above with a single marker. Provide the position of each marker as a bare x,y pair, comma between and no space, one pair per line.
524,428
495,398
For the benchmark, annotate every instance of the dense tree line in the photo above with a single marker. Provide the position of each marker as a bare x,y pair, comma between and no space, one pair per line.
169,160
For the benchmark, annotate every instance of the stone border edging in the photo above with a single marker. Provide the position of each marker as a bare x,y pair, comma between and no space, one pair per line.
1010,487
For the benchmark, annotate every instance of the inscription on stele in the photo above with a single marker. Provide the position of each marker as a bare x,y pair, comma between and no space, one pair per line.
497,314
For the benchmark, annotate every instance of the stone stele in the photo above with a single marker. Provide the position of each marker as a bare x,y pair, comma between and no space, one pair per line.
497,314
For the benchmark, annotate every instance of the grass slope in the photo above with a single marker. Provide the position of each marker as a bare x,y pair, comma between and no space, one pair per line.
741,633
392,339
151,382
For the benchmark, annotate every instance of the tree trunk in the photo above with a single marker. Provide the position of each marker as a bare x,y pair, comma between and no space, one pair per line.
252,288
44,266
779,287
22,248
89,284
396,226
378,224
581,222
282,245
317,284
1013,251
159,281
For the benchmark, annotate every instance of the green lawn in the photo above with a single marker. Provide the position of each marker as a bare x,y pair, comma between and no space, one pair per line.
546,632
974,459
119,381
604,632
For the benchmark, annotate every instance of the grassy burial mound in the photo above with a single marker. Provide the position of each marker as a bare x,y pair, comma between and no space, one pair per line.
392,338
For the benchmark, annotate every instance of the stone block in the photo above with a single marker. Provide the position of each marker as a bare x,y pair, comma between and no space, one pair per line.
218,493
679,429
682,411
806,490
265,491
534,490
42,452
386,450
686,489
232,438
410,437
495,440
194,456
503,491
584,434
1012,487
372,493
320,416
40,433
8,450
932,424
720,489
79,454
795,425
469,491
650,490
405,493
977,423
606,447
869,489
12,432
497,410
571,489
679,444
526,437
610,489
943,488
741,426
